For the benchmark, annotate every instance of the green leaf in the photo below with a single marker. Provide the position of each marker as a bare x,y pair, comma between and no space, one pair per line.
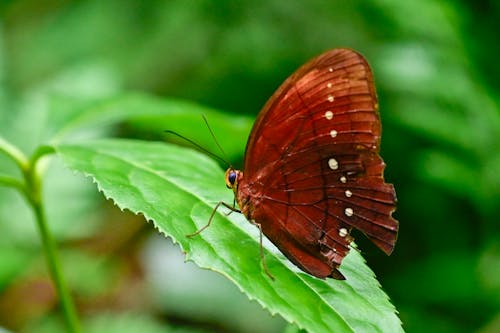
153,115
177,189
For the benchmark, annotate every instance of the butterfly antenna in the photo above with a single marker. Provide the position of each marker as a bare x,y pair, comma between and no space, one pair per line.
215,140
208,152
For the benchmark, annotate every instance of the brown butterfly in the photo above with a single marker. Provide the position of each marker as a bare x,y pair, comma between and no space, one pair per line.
312,168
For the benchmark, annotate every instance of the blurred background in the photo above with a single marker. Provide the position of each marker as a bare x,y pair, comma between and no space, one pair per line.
436,67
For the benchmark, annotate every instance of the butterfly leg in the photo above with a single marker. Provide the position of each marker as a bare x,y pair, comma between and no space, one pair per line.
220,203
232,209
262,258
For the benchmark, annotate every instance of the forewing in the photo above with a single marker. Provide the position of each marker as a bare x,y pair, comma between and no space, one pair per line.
314,155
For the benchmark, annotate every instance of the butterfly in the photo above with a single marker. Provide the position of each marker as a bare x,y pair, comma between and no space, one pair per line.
312,170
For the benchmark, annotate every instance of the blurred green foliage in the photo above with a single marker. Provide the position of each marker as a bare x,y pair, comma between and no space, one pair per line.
438,78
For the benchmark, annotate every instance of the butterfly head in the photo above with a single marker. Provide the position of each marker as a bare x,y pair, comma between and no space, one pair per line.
232,178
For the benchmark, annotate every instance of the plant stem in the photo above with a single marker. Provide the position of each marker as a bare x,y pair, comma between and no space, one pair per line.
34,197
53,261
13,153
8,181
31,189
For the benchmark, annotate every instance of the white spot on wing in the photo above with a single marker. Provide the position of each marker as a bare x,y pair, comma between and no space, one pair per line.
333,133
349,211
342,232
331,255
343,179
330,98
348,193
329,115
333,164
329,85
330,69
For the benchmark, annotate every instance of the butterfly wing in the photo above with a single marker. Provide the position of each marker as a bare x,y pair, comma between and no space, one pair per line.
312,165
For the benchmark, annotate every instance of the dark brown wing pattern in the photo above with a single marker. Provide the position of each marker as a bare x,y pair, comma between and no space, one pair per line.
312,165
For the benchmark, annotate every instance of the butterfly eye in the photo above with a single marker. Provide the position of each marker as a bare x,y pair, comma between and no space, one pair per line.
231,177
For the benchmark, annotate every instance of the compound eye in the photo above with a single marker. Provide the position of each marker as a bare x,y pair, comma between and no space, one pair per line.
231,177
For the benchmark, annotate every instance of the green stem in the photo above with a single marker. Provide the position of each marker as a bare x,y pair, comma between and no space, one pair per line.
14,153
54,263
9,181
33,194
31,189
